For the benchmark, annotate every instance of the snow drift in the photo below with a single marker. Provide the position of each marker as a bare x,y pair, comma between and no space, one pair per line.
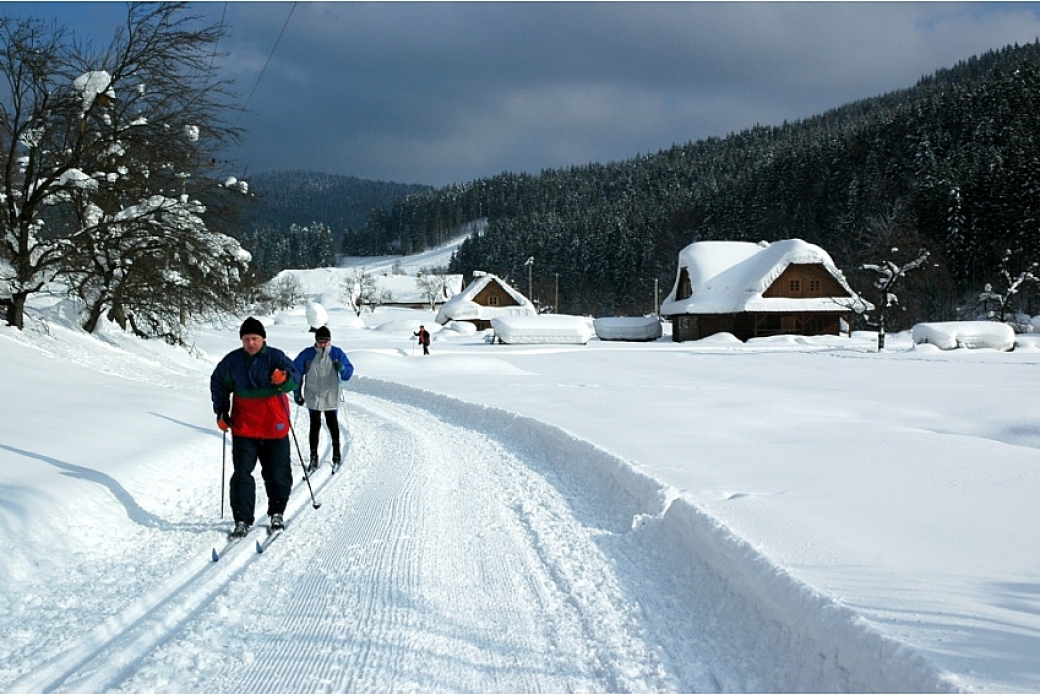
805,641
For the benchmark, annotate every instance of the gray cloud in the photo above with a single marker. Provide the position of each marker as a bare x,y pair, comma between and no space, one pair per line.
452,91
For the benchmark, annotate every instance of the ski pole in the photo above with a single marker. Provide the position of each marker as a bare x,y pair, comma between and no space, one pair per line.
306,477
223,469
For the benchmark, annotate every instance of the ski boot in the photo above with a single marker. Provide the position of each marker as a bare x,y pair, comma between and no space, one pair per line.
277,523
241,529
313,466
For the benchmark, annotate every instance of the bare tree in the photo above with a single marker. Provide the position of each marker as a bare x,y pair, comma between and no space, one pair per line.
103,157
434,288
359,288
886,265
1007,290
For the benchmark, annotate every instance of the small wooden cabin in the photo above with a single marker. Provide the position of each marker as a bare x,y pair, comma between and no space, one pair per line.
487,297
754,290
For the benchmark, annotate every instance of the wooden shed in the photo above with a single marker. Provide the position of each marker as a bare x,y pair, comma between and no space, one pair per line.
756,290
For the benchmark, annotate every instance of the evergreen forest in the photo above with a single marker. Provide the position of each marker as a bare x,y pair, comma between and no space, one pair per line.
298,219
950,166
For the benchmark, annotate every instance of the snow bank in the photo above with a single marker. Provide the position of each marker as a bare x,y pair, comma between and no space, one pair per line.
802,640
949,335
530,330
627,328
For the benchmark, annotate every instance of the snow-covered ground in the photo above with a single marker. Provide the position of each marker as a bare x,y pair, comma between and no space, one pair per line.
787,514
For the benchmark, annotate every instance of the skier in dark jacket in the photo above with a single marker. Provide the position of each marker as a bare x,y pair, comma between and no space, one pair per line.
323,366
249,388
424,339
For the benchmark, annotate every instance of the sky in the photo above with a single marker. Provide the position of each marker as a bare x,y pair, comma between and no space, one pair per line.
449,92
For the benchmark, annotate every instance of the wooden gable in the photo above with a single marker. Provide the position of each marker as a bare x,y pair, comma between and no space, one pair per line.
803,281
494,295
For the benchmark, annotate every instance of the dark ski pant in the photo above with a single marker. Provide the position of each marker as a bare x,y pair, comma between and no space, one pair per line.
332,422
275,469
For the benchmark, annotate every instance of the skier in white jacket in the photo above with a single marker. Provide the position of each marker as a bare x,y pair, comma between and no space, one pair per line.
323,367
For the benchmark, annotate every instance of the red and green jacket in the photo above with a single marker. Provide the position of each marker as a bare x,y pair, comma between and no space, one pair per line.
260,409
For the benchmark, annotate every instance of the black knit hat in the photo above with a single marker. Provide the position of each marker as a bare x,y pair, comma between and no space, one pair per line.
323,333
252,327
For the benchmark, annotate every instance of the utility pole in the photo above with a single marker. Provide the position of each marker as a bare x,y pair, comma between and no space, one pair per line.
530,264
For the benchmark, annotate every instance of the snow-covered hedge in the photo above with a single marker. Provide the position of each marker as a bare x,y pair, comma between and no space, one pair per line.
628,328
950,335
527,330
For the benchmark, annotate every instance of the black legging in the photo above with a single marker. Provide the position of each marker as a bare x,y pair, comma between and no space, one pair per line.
332,422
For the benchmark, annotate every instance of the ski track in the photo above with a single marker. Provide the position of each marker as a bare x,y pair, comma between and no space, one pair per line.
438,561
462,556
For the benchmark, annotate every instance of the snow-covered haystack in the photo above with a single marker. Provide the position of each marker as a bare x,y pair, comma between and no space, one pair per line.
316,315
949,335
533,330
635,328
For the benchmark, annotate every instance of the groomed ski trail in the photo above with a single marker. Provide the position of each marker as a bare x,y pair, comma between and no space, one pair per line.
469,550
439,561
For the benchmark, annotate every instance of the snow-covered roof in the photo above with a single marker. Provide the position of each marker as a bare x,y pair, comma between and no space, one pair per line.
462,306
405,289
325,285
729,277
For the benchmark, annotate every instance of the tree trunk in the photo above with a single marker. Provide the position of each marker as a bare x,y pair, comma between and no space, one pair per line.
16,309
93,316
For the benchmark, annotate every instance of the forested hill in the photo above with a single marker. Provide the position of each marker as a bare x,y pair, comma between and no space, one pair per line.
297,218
284,197
951,164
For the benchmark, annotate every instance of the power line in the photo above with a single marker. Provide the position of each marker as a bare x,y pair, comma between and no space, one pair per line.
273,49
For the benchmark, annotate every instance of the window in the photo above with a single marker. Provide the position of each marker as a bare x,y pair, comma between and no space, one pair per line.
794,287
815,287
493,300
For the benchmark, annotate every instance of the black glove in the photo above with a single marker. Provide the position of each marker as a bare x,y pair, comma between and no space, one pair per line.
224,420
299,399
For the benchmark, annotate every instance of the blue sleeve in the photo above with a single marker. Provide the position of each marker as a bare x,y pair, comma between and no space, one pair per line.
341,357
300,362
218,389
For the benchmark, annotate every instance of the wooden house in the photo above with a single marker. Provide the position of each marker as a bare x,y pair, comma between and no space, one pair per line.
486,297
756,290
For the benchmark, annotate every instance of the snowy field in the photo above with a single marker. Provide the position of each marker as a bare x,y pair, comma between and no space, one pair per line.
789,514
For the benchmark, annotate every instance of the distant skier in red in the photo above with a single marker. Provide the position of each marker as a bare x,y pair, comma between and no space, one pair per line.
424,339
